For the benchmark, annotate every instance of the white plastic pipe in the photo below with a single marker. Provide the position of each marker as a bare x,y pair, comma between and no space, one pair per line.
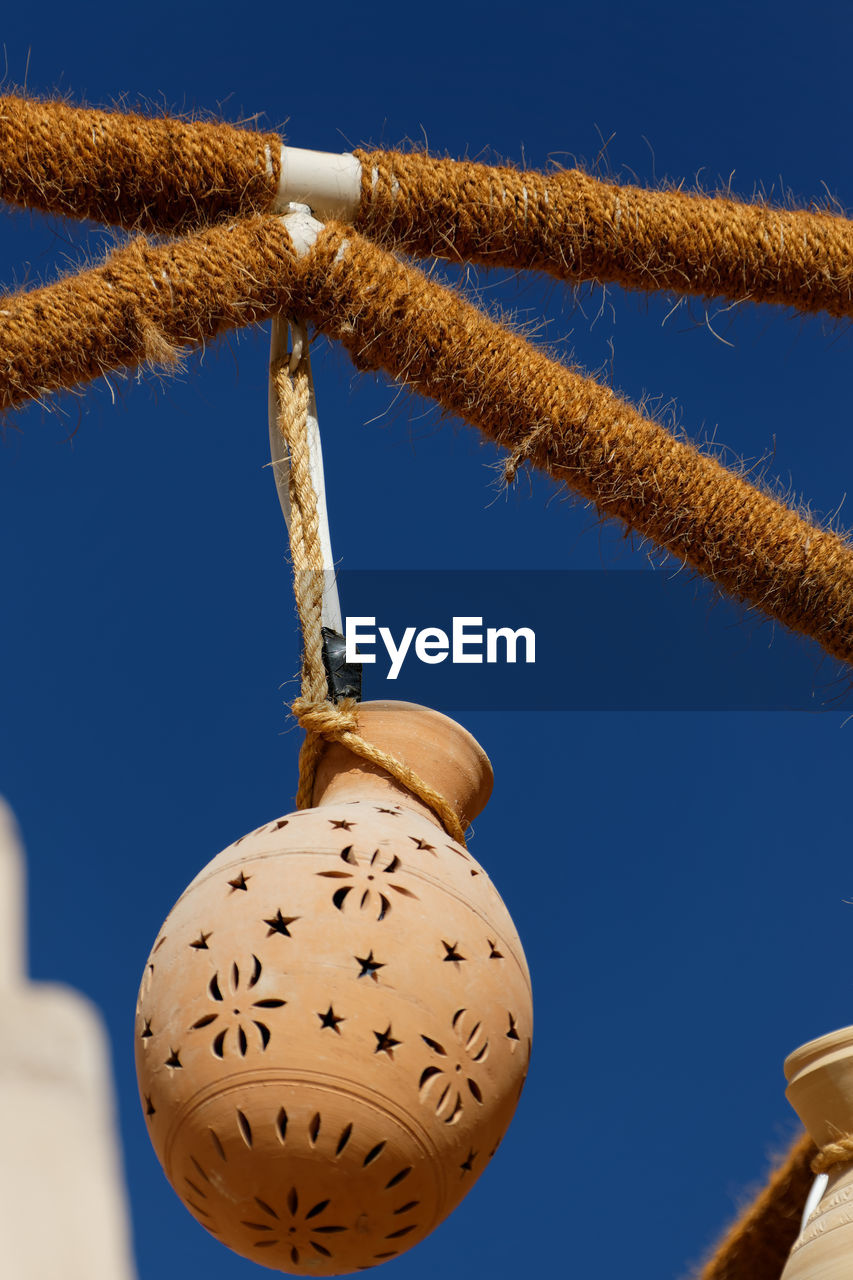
814,1198
331,608
329,183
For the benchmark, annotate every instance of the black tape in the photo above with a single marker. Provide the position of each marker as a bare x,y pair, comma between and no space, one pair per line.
342,677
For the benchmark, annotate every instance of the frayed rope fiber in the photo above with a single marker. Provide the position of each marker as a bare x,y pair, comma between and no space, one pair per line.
390,316
144,173
161,174
577,227
145,304
757,1245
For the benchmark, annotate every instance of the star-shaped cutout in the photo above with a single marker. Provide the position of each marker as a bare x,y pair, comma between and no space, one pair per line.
341,824
422,844
240,882
385,1042
146,1030
512,1034
330,1019
494,954
467,1165
282,822
200,943
369,966
279,923
452,953
173,1060
393,812
149,1106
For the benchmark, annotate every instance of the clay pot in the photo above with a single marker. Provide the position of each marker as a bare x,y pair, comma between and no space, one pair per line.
820,1089
333,1027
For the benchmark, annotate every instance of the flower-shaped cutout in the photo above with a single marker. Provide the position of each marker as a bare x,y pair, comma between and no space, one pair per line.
368,882
246,1017
449,1082
303,1230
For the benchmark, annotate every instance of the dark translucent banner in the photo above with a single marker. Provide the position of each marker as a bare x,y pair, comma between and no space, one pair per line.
542,640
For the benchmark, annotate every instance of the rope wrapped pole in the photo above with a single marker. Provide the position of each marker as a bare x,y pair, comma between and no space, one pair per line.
162,174
577,227
145,304
145,173
390,316
757,1245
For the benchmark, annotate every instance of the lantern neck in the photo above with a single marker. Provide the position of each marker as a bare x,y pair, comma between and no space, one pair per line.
820,1085
435,747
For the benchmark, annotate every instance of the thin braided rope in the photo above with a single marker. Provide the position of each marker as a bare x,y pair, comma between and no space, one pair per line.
292,391
757,1245
322,720
390,316
577,227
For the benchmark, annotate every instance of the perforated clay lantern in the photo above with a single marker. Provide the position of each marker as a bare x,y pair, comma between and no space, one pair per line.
334,1024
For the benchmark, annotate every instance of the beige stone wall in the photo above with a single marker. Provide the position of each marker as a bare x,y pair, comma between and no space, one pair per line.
63,1209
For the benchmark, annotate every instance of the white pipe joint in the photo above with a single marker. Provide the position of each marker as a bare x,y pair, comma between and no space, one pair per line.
330,184
303,229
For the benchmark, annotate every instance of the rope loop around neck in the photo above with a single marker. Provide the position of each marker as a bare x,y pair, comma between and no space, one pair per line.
838,1152
338,722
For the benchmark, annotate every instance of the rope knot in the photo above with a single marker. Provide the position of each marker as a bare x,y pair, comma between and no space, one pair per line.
326,719
838,1152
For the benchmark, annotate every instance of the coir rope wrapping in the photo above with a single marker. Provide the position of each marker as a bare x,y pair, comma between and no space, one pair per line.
577,227
162,174
757,1245
145,173
392,317
143,304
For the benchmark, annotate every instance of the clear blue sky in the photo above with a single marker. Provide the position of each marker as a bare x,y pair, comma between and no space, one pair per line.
680,880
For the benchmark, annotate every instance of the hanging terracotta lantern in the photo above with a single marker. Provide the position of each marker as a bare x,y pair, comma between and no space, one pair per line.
334,1024
820,1089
